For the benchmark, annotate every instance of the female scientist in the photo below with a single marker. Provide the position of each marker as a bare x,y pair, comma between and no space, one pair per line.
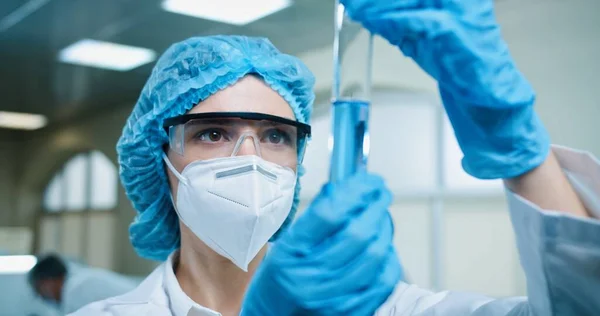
212,153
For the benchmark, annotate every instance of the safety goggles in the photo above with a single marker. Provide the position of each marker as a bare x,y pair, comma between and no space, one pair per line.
203,136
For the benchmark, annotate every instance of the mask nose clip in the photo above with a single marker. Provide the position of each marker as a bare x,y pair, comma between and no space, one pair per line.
241,141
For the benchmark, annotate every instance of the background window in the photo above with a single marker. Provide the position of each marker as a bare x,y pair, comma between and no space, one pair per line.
88,181
75,222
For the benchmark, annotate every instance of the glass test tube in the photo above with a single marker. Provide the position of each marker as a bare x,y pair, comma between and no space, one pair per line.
352,55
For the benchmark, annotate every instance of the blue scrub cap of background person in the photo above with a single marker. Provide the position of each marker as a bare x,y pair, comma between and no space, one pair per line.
187,73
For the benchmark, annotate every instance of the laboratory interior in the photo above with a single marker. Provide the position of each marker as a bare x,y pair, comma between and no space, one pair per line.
71,72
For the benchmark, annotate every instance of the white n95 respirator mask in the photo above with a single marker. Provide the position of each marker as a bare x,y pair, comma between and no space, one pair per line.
234,204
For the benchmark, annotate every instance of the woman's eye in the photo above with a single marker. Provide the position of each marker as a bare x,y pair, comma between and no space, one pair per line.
277,137
211,136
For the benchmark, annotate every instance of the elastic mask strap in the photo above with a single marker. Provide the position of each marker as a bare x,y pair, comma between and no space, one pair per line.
241,141
181,178
174,204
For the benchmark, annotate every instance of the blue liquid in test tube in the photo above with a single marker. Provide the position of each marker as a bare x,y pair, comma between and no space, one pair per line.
350,147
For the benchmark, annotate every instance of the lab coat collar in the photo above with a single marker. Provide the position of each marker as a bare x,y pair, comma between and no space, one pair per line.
180,303
150,290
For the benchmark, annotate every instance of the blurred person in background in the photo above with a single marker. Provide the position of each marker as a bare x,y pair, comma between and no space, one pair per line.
69,286
212,153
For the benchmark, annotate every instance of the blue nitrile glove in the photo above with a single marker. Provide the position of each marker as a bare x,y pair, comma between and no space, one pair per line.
488,100
336,259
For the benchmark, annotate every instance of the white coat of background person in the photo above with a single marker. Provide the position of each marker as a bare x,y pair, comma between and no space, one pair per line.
208,113
69,286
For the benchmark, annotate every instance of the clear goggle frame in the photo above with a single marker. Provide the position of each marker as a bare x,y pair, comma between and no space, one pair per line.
204,136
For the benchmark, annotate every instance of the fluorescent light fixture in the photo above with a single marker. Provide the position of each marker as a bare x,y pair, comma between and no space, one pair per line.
236,12
92,53
16,264
22,120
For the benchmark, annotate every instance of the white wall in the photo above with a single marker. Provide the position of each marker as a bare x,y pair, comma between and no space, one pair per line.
479,250
556,45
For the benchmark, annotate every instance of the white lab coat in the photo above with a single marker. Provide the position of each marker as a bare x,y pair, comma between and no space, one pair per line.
85,285
559,253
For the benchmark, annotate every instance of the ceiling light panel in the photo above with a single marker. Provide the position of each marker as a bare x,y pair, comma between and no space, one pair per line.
92,53
24,121
236,12
16,264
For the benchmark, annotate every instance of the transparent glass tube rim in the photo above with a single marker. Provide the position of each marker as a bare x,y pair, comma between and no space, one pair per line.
342,20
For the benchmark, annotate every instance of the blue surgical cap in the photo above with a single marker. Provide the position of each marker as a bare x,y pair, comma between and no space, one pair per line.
187,73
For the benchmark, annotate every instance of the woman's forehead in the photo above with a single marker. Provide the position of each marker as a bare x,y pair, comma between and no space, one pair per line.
250,94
